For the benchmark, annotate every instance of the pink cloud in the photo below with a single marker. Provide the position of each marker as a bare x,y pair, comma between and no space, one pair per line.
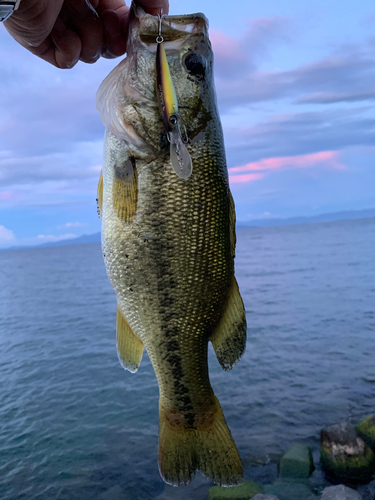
226,47
330,158
244,178
6,195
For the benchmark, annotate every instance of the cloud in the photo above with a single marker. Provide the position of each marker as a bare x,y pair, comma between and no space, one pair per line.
334,97
51,178
329,157
345,75
234,179
258,169
236,55
6,236
72,224
73,164
293,134
48,238
5,195
51,137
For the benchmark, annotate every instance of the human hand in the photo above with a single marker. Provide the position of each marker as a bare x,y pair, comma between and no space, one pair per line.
63,32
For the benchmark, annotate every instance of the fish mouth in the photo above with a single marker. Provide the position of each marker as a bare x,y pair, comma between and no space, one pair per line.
173,27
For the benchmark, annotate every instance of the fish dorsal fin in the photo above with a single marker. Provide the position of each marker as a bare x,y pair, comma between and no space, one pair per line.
99,196
125,190
229,337
129,347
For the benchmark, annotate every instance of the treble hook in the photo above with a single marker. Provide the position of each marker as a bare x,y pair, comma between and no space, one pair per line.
159,38
186,138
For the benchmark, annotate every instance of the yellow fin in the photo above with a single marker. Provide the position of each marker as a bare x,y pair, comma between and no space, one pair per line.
229,337
211,450
99,199
232,225
129,347
125,190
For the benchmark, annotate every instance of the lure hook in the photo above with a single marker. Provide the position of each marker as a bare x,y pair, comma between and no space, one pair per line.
185,139
160,38
168,106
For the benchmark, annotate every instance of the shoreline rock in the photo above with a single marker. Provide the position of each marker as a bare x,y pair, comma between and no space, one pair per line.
366,430
297,462
340,492
245,491
261,496
344,455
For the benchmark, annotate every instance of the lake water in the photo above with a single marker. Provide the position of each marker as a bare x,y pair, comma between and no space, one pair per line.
75,425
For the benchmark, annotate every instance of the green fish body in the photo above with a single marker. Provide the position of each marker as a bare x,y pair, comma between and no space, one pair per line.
168,243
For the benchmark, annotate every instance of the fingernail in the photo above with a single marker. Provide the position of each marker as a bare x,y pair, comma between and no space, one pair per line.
71,64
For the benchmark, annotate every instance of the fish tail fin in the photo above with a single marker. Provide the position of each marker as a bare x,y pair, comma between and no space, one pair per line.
208,448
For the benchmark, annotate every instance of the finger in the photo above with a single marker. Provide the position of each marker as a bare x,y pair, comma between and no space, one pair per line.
116,5
150,6
115,33
33,21
82,18
62,48
154,6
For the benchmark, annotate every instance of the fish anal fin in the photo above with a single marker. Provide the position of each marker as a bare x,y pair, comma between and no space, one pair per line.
229,337
129,347
99,198
210,450
125,190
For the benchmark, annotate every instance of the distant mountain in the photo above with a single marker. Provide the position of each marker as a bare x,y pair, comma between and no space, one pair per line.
85,238
80,240
349,215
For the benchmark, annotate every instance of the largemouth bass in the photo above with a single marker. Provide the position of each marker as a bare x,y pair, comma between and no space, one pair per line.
168,241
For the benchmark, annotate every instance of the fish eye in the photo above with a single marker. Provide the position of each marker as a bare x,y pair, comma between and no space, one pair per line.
195,64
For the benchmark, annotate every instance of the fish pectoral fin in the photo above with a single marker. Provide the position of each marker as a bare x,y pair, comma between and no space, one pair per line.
208,448
125,190
229,337
129,347
99,198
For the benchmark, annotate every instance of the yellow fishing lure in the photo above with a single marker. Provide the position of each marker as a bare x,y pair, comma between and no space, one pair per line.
168,104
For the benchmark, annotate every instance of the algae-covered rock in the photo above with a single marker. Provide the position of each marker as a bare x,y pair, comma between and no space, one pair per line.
340,492
246,491
344,455
290,490
260,496
366,430
297,462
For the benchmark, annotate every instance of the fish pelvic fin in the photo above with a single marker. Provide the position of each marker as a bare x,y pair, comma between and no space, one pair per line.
129,347
229,337
209,448
99,196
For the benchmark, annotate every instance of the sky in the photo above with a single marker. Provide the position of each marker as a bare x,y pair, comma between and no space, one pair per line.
295,82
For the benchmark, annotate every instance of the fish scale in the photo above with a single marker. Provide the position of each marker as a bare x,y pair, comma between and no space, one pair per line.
168,246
